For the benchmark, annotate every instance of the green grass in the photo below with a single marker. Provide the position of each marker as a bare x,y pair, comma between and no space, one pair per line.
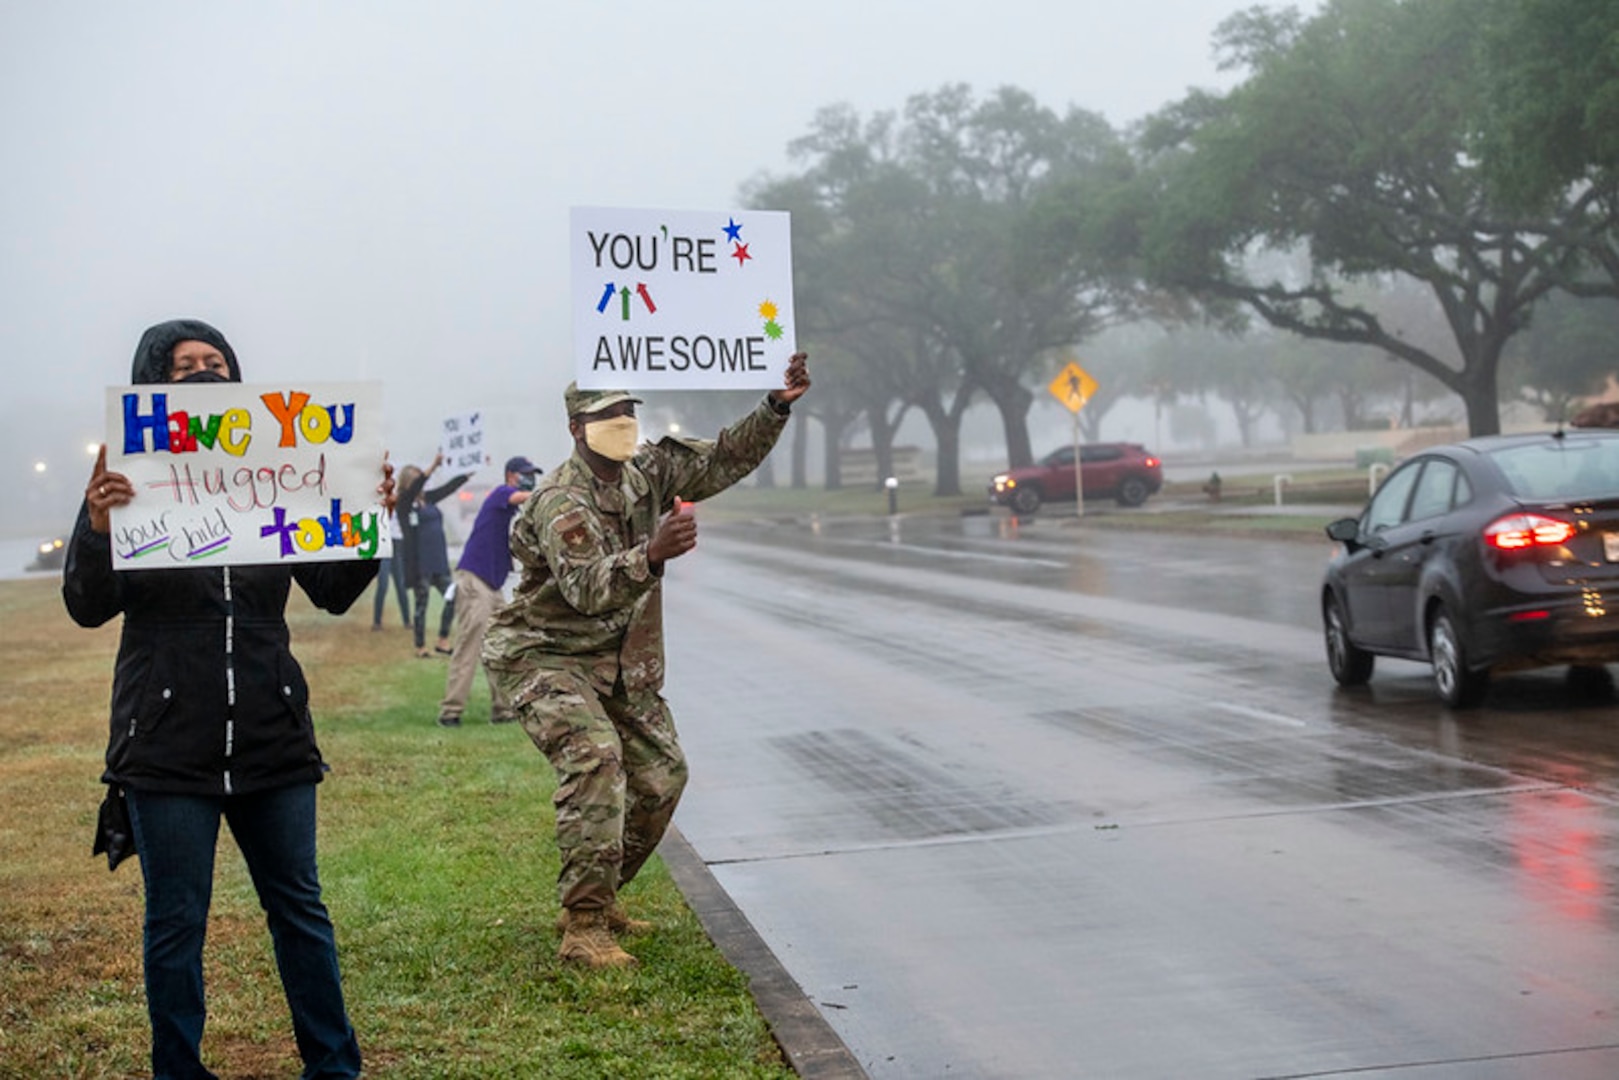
438,865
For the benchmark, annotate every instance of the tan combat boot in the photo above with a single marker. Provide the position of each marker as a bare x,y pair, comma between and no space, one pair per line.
618,921
587,939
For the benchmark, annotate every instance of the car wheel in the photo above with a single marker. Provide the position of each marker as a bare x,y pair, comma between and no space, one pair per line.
1459,686
1591,681
1350,664
1132,492
1026,500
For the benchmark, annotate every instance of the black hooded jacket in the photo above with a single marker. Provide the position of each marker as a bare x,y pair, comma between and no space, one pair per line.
207,698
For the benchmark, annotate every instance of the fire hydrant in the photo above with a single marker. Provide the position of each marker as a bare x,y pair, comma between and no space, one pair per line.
1212,488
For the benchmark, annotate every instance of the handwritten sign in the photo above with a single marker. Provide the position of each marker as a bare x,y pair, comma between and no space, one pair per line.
462,443
233,473
681,299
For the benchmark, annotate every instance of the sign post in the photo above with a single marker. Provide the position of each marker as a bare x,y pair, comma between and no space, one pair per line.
1074,386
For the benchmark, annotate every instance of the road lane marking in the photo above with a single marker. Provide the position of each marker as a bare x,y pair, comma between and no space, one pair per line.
1260,714
943,553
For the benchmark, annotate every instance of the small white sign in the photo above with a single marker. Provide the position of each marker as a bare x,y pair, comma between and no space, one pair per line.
238,473
462,445
681,299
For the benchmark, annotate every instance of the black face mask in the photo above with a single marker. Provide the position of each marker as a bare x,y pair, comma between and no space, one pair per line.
205,376
526,481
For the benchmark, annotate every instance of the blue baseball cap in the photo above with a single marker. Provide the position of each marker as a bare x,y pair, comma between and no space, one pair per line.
520,464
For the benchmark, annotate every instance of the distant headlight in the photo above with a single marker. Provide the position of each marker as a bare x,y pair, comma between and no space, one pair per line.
1002,483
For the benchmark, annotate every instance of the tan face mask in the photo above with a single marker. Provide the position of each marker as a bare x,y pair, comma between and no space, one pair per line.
613,439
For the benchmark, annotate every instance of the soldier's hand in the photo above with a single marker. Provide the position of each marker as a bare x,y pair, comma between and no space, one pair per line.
676,535
795,381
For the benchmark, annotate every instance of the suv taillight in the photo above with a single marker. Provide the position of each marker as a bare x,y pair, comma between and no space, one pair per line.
1516,532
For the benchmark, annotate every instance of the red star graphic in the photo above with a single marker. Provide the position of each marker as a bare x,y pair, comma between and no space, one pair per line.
740,254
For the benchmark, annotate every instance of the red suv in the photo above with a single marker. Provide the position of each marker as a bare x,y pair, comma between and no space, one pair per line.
1121,471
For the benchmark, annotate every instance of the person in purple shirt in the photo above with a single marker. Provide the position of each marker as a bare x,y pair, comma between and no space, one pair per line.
479,577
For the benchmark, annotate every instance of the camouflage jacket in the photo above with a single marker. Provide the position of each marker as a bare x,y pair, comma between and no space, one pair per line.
587,593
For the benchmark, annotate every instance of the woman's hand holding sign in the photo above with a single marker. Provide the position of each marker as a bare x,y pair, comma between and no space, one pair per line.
105,491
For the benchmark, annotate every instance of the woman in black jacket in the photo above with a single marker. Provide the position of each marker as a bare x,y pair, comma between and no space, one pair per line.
210,720
427,556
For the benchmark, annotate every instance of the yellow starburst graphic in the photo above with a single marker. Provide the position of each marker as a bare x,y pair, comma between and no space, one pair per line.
767,310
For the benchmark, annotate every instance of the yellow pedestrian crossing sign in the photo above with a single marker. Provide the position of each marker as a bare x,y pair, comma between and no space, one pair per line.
1073,386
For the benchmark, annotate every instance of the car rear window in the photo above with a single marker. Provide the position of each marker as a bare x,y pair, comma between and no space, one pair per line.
1576,468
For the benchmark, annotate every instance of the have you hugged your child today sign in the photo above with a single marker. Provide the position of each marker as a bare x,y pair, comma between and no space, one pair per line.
239,473
681,299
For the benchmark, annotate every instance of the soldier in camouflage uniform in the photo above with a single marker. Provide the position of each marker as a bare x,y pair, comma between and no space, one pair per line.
579,650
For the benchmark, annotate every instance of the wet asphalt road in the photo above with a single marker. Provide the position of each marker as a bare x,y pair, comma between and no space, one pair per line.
1058,801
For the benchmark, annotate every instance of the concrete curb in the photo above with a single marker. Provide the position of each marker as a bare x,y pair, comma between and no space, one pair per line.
811,1047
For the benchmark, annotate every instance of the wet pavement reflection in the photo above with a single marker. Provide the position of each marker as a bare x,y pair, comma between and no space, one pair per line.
1027,800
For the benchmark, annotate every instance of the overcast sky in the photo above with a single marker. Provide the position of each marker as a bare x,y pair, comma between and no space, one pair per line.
380,190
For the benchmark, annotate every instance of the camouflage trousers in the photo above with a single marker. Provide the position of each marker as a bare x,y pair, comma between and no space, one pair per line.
620,772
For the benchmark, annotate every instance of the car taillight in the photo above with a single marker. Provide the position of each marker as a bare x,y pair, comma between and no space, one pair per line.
1518,531
1152,463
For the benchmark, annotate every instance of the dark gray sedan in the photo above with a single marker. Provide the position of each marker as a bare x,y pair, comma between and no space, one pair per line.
1494,554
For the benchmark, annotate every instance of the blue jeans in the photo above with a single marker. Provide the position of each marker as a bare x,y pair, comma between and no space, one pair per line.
175,836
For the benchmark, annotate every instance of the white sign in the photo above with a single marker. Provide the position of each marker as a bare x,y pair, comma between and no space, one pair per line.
462,445
681,299
235,473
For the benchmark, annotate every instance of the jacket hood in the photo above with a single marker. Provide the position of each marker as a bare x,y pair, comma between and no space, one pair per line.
154,356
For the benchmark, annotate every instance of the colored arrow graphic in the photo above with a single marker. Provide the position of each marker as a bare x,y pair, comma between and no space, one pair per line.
611,290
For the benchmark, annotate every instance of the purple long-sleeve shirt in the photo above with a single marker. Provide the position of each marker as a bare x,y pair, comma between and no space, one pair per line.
488,551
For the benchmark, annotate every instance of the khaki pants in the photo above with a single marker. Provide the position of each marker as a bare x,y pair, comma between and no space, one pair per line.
475,603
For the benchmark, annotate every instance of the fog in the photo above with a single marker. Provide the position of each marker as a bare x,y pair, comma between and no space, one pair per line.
380,190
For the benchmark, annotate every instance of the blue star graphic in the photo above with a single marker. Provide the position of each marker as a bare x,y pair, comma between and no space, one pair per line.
733,231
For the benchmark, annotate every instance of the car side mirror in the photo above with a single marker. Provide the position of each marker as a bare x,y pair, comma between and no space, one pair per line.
1345,531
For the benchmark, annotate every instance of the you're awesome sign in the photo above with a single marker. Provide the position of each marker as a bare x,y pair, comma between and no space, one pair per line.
235,473
681,299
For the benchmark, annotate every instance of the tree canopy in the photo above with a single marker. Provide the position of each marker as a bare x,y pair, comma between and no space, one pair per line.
1350,142
1406,180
